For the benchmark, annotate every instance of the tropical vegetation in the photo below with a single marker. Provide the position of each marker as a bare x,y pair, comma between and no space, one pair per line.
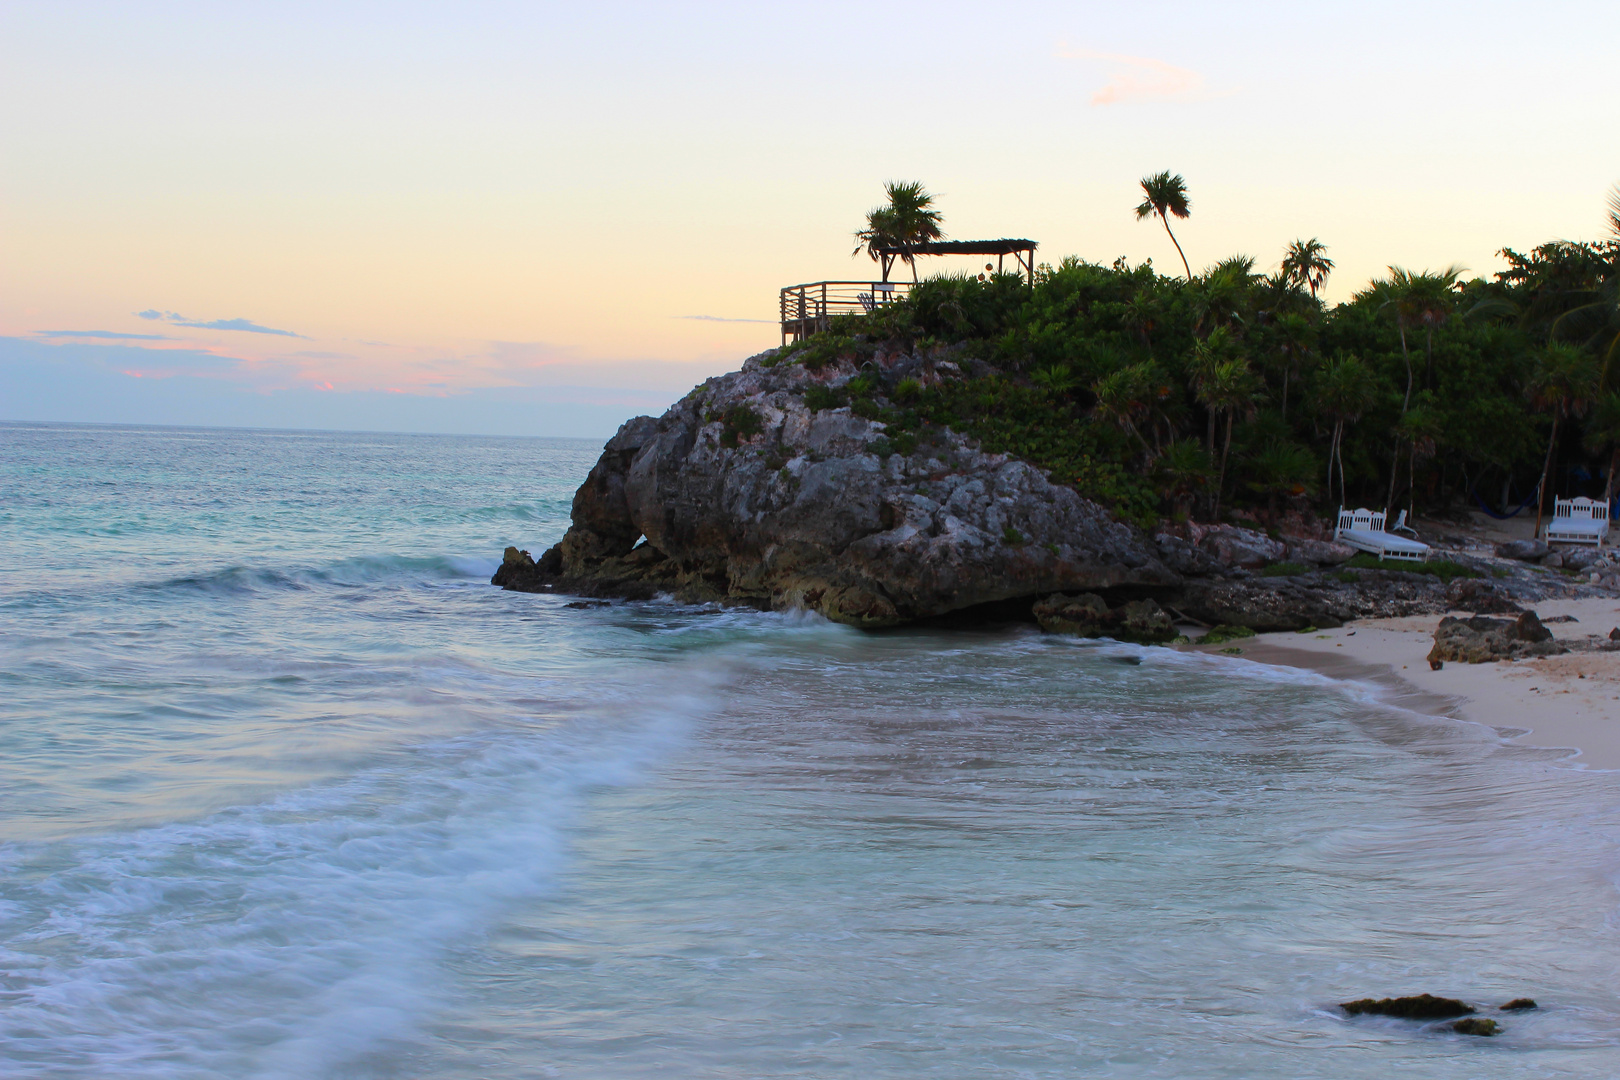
1234,392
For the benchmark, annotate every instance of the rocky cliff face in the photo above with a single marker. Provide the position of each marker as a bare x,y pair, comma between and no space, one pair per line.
743,492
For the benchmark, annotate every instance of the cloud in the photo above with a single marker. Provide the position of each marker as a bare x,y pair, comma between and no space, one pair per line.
1139,78
246,325
102,334
722,318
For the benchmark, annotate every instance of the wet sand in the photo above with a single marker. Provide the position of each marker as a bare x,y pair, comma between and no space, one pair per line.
1570,702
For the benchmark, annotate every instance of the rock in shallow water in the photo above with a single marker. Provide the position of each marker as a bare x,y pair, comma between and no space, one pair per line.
1088,615
1474,1025
1419,1007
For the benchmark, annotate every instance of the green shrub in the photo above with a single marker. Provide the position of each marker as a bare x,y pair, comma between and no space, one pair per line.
818,350
864,385
1348,577
881,447
1284,569
740,422
866,408
1013,537
908,389
817,398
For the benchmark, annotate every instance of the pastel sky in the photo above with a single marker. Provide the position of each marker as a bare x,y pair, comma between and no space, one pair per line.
538,218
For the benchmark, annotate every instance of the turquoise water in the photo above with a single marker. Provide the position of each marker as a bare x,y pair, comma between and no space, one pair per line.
287,790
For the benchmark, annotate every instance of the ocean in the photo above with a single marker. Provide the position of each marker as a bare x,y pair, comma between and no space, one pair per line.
288,790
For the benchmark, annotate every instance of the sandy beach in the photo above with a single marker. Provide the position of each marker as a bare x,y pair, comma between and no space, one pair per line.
1568,702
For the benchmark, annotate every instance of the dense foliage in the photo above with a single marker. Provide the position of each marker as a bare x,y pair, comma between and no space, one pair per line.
1237,392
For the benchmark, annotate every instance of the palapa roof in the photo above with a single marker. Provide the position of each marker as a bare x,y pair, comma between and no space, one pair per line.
962,247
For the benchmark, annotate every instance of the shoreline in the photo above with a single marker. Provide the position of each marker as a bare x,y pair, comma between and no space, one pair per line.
1569,702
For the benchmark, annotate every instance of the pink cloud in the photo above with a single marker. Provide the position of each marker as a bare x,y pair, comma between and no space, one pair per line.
1139,78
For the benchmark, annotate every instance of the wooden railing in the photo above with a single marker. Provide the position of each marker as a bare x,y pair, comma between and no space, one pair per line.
808,309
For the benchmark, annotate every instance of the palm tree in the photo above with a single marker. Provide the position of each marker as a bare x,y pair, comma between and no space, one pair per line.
1306,265
1124,397
1419,429
1282,468
1184,468
1564,384
1230,389
1345,391
1166,196
1417,299
1226,291
909,219
1206,356
1295,335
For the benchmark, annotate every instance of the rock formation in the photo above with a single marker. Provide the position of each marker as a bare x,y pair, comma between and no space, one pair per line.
745,493
1480,640
777,486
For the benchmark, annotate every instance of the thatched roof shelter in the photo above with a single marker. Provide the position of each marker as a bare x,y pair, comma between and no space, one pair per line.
1022,250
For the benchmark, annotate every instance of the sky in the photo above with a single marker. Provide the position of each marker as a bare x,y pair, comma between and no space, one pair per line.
543,219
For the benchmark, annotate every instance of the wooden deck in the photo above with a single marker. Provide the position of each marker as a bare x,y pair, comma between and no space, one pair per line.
810,308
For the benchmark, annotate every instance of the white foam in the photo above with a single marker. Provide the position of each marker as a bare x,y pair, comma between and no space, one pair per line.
285,939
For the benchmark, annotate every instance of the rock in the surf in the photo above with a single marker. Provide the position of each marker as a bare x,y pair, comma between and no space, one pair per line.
1476,1025
1416,1007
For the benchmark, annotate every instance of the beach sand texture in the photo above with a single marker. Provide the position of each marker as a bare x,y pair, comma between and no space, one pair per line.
1570,701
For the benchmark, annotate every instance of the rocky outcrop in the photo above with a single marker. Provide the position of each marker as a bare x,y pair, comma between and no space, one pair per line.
1319,552
1233,546
780,486
1088,615
1523,550
745,493
1480,597
1480,640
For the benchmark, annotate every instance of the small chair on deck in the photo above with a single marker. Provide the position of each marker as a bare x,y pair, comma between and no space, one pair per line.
1364,530
1578,521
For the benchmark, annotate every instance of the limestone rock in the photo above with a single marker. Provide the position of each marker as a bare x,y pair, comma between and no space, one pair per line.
816,508
1085,615
1244,548
1480,640
1480,597
1088,615
1523,550
1319,552
1581,558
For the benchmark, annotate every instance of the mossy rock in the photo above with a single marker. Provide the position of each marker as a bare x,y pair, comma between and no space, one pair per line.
1224,633
1088,615
1520,1005
1474,1025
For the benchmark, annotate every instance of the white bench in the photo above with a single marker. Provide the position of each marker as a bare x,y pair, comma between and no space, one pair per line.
1363,530
1578,521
